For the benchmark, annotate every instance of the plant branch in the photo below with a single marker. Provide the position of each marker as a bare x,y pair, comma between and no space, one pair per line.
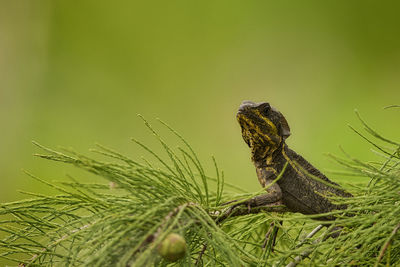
387,243
306,252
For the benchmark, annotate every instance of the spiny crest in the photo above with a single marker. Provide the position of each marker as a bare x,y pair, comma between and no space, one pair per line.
263,127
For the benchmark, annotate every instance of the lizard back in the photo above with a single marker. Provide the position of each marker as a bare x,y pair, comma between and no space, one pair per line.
301,192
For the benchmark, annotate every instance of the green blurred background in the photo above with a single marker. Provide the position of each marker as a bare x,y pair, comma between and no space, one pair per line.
73,73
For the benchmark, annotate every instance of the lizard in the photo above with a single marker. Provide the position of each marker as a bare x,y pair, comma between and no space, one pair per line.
265,130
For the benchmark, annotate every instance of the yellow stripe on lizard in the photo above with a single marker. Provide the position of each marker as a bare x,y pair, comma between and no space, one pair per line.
267,121
256,128
292,164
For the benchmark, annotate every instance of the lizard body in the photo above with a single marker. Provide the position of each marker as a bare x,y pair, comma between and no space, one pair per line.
265,130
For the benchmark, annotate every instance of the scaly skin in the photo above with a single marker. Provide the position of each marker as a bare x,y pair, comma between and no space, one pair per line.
265,130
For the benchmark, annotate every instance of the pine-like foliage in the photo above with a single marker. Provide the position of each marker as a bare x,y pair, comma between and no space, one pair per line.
123,221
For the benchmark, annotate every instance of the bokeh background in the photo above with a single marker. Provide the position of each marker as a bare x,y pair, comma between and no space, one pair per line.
73,73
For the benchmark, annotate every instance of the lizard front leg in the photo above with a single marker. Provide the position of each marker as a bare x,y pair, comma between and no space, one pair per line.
273,197
244,209
266,176
271,201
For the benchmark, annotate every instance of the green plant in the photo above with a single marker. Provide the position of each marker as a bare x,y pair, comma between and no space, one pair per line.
124,221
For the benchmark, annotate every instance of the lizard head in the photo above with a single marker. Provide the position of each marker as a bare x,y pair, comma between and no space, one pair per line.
264,129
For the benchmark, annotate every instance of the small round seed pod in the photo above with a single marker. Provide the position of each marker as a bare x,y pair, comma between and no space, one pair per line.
172,248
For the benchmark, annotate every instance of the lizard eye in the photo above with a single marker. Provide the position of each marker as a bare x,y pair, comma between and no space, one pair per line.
266,108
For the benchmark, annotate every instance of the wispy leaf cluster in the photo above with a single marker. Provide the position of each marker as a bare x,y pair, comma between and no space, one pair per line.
120,223
121,220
